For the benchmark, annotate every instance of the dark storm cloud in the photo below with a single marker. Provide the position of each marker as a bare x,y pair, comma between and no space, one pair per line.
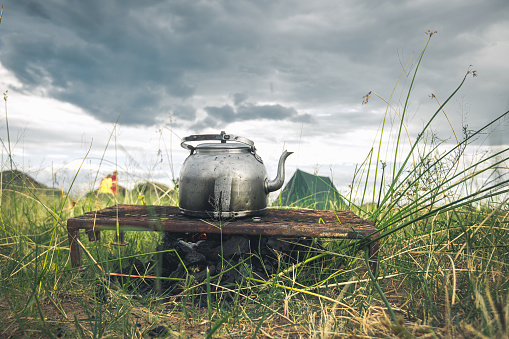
217,116
37,10
185,112
103,57
272,112
239,98
143,60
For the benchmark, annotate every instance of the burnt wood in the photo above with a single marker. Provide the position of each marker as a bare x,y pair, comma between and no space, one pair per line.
275,222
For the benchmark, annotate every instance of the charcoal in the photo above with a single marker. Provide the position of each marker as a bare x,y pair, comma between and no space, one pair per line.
234,256
209,248
236,245
185,247
278,245
200,276
194,258
179,272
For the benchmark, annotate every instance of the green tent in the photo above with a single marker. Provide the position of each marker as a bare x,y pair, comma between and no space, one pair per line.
310,191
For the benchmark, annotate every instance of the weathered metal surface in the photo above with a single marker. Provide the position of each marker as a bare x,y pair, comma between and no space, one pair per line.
225,179
275,222
280,222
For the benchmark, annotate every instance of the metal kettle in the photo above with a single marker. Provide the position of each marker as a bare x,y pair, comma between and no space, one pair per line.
226,179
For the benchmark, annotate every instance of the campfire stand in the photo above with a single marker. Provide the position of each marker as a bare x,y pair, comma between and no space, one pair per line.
276,222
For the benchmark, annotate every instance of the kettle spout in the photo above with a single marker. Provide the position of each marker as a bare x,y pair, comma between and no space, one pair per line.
273,185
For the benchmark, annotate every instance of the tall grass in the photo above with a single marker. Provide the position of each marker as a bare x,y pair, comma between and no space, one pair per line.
437,227
442,267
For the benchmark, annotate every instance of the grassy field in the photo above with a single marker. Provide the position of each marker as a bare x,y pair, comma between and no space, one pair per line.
443,267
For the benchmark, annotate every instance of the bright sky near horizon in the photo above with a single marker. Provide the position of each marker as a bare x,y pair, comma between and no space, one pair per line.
285,74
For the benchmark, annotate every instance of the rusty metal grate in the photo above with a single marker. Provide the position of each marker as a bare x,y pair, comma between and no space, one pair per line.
275,222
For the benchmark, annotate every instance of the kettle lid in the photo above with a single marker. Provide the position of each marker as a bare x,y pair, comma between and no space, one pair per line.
223,146
235,142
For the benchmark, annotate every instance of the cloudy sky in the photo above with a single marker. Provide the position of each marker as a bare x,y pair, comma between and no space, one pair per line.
285,74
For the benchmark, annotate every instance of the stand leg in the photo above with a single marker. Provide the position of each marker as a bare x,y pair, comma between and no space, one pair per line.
120,239
76,258
373,255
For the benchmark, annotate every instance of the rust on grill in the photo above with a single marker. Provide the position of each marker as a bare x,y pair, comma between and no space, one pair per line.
275,222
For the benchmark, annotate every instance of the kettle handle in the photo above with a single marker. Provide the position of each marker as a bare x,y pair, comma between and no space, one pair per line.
223,137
